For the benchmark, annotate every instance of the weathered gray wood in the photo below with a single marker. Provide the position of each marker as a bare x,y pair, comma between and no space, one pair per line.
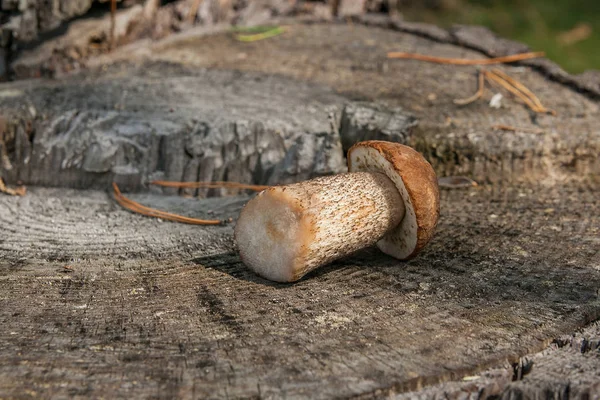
459,140
151,309
567,369
133,126
368,121
25,20
164,310
484,40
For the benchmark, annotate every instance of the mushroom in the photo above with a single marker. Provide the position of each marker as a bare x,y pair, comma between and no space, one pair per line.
389,197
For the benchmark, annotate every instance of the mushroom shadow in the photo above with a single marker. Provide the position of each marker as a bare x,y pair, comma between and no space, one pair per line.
231,264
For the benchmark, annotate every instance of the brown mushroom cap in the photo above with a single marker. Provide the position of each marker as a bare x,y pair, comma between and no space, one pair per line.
417,183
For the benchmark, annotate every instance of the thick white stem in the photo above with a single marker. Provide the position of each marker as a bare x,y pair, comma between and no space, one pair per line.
287,231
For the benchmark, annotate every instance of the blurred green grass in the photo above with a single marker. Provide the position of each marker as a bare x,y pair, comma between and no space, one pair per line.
538,23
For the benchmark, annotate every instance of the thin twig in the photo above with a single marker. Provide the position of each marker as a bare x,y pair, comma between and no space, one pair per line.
465,61
211,185
20,191
151,212
511,128
477,95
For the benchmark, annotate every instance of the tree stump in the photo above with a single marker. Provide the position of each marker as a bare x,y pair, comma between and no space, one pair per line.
97,301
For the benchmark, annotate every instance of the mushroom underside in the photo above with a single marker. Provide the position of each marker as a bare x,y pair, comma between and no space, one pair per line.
400,242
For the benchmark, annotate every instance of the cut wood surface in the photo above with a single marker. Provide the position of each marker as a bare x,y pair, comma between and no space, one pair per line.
97,301
268,91
568,368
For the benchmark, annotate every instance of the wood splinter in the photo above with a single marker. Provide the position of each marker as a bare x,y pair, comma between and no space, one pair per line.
390,198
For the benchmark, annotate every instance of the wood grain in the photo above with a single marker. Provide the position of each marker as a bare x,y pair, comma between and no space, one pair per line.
457,140
164,310
161,310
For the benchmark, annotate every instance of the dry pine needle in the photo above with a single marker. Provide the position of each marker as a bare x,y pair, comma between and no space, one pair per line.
466,61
